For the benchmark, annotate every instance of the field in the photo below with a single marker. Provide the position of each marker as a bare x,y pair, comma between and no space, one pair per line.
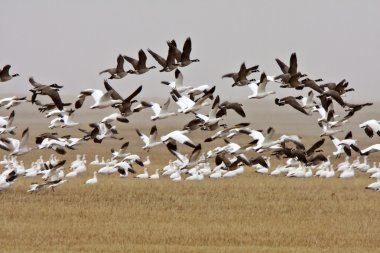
248,213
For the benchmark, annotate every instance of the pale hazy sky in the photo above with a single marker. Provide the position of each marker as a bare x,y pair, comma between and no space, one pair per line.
69,42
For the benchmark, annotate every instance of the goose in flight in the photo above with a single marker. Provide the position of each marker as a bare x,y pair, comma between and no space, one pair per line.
354,108
226,105
49,90
371,149
160,112
178,136
16,146
183,58
122,151
4,74
124,168
210,122
7,178
340,87
150,141
178,83
226,132
125,106
312,84
258,89
334,95
187,163
101,99
243,71
290,75
168,64
370,127
292,101
138,65
100,131
6,124
12,101
63,120
187,105
118,72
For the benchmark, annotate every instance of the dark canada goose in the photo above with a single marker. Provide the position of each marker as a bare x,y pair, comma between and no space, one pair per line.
138,65
242,79
4,74
243,71
312,84
292,101
340,87
48,106
118,72
354,108
168,64
334,95
49,90
125,106
183,58
305,156
224,106
290,75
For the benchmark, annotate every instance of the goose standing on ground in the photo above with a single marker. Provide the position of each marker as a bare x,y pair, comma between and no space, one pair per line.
144,175
155,175
92,180
138,65
4,74
118,72
168,64
183,58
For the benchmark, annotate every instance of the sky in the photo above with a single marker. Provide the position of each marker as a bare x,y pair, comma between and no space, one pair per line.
70,42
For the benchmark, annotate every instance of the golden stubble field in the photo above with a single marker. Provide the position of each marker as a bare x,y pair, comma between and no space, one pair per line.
248,213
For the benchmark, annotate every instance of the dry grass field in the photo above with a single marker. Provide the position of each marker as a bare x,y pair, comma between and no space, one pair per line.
248,213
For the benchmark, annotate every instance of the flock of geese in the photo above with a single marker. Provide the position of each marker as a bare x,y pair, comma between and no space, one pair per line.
227,160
